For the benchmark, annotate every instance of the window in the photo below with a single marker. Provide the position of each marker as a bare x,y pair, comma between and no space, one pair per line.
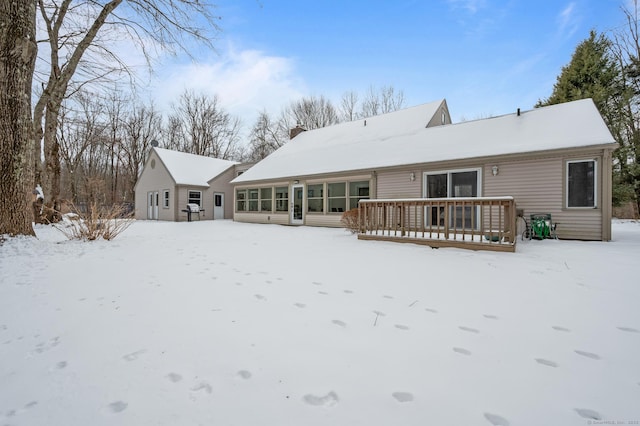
217,200
337,197
241,200
315,198
195,197
358,191
581,184
282,199
165,199
253,200
265,200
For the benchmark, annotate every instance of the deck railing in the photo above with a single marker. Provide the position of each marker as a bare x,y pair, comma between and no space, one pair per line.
478,223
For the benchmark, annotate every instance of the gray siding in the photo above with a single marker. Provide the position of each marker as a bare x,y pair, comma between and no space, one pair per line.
155,178
538,186
398,184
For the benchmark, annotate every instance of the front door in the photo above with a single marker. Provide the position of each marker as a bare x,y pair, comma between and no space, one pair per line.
218,205
297,205
153,198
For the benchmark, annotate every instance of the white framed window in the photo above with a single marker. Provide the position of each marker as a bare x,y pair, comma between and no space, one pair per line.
241,200
358,190
165,199
282,198
337,197
195,197
315,198
581,184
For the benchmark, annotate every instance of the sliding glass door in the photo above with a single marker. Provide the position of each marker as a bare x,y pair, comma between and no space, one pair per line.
453,184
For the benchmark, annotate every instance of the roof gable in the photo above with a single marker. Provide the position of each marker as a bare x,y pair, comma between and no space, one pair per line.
191,169
401,138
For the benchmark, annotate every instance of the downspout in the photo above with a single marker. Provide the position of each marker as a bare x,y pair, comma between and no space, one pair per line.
606,180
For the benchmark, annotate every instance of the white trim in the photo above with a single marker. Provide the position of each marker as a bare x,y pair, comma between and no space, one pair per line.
189,198
595,184
303,206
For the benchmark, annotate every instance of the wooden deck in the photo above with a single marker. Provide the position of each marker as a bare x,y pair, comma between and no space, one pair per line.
477,223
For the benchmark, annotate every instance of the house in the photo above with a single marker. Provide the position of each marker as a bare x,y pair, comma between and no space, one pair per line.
170,180
555,160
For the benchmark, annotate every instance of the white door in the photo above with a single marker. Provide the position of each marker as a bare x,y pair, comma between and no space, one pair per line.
152,205
218,205
297,205
156,203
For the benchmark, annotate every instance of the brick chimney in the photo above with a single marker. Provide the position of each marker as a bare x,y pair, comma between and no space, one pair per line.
296,131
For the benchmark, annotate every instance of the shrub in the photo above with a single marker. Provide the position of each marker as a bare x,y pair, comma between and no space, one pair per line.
351,220
95,222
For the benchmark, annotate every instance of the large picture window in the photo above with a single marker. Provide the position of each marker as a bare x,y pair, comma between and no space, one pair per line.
581,184
282,199
241,200
337,197
195,197
265,200
358,191
315,198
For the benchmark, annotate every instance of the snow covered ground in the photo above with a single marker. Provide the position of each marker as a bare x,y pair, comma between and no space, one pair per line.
222,323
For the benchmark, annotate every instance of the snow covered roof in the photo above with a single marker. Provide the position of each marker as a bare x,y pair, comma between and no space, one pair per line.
401,138
191,169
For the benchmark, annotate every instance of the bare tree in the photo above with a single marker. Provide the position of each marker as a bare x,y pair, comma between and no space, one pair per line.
348,106
78,36
17,61
201,126
142,126
381,101
266,136
623,108
80,125
312,112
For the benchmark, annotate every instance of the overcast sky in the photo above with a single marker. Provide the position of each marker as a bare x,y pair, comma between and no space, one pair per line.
485,57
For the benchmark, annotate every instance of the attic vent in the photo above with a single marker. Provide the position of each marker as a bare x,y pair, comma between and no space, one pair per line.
154,143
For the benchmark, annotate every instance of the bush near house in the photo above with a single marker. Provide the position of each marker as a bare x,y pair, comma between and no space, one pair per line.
95,221
351,220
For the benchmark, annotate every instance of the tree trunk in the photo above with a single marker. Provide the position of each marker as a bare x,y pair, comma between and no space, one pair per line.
17,60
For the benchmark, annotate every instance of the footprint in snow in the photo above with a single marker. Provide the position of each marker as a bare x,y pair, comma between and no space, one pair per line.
386,296
324,293
118,406
348,291
61,365
558,328
402,396
433,311
339,323
546,362
299,305
588,414
244,374
629,329
133,355
587,354
493,317
462,351
328,400
401,327
469,329
174,377
202,386
260,297
496,420
316,283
